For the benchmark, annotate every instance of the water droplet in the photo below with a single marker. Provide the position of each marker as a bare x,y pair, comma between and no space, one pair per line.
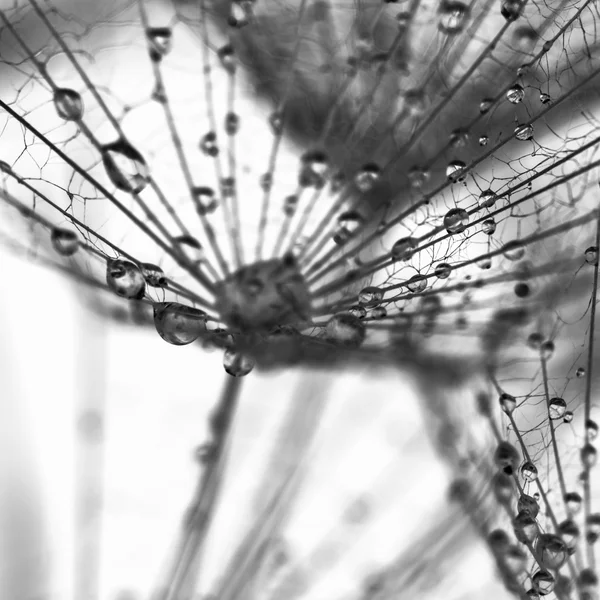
228,185
237,364
232,123
125,279
534,341
529,471
483,140
404,249
191,247
64,241
591,428
513,250
125,167
485,263
360,312
313,167
153,275
367,177
68,104
503,487
487,199
515,560
414,101
543,582
452,16
276,123
488,226
529,505
159,42
545,98
456,220
208,144
524,132
587,582
506,457
290,204
498,540
522,290
241,13
591,255
511,9
552,551
508,403
370,297
515,94
266,182
485,105
593,523
456,171
589,456
547,350
226,55
178,324
525,528
525,38
459,138
569,532
557,408
346,330
205,199
443,270
349,223
417,177
568,417
416,284
379,312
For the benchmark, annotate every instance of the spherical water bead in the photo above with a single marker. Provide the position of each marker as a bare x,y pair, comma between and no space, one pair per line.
524,132
154,275
522,290
346,329
529,471
483,140
485,105
488,226
314,165
290,205
587,583
545,98
367,177
487,199
237,364
360,312
552,551
593,527
525,38
456,171
190,247
452,16
68,104
416,284
511,9
515,94
442,270
515,560
228,186
379,312
349,223
64,241
569,532
226,55
205,199
178,324
573,501
591,428
370,297
534,341
498,540
159,42
529,505
513,250
591,255
532,594
456,220
125,279
589,456
543,582
525,528
276,123
417,177
485,263
568,417
580,373
125,167
547,350
508,403
503,487
232,123
506,457
557,408
459,138
208,144
404,249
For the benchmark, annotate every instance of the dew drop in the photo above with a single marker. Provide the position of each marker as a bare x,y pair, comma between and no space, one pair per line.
508,403
314,165
513,250
380,312
178,324
205,199
568,417
498,540
367,177
125,279
452,16
487,199
191,247
456,171
511,9
456,220
417,177
545,98
346,330
569,532
360,312
290,204
529,505
503,487
125,167
589,456
552,551
416,284
529,471
483,140
208,144
404,249
64,241
515,560
237,364
524,132
506,457
370,297
593,523
226,55
459,138
276,123
525,528
232,123
485,105
154,275
228,186
349,223
159,42
547,350
522,290
557,408
68,104
485,263
591,255
515,94
534,341
591,428
488,226
415,102
442,270
543,582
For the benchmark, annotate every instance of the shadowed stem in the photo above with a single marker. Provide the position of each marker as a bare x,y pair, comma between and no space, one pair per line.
184,569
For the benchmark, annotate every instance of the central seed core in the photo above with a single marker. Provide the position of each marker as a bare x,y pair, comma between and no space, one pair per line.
263,296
